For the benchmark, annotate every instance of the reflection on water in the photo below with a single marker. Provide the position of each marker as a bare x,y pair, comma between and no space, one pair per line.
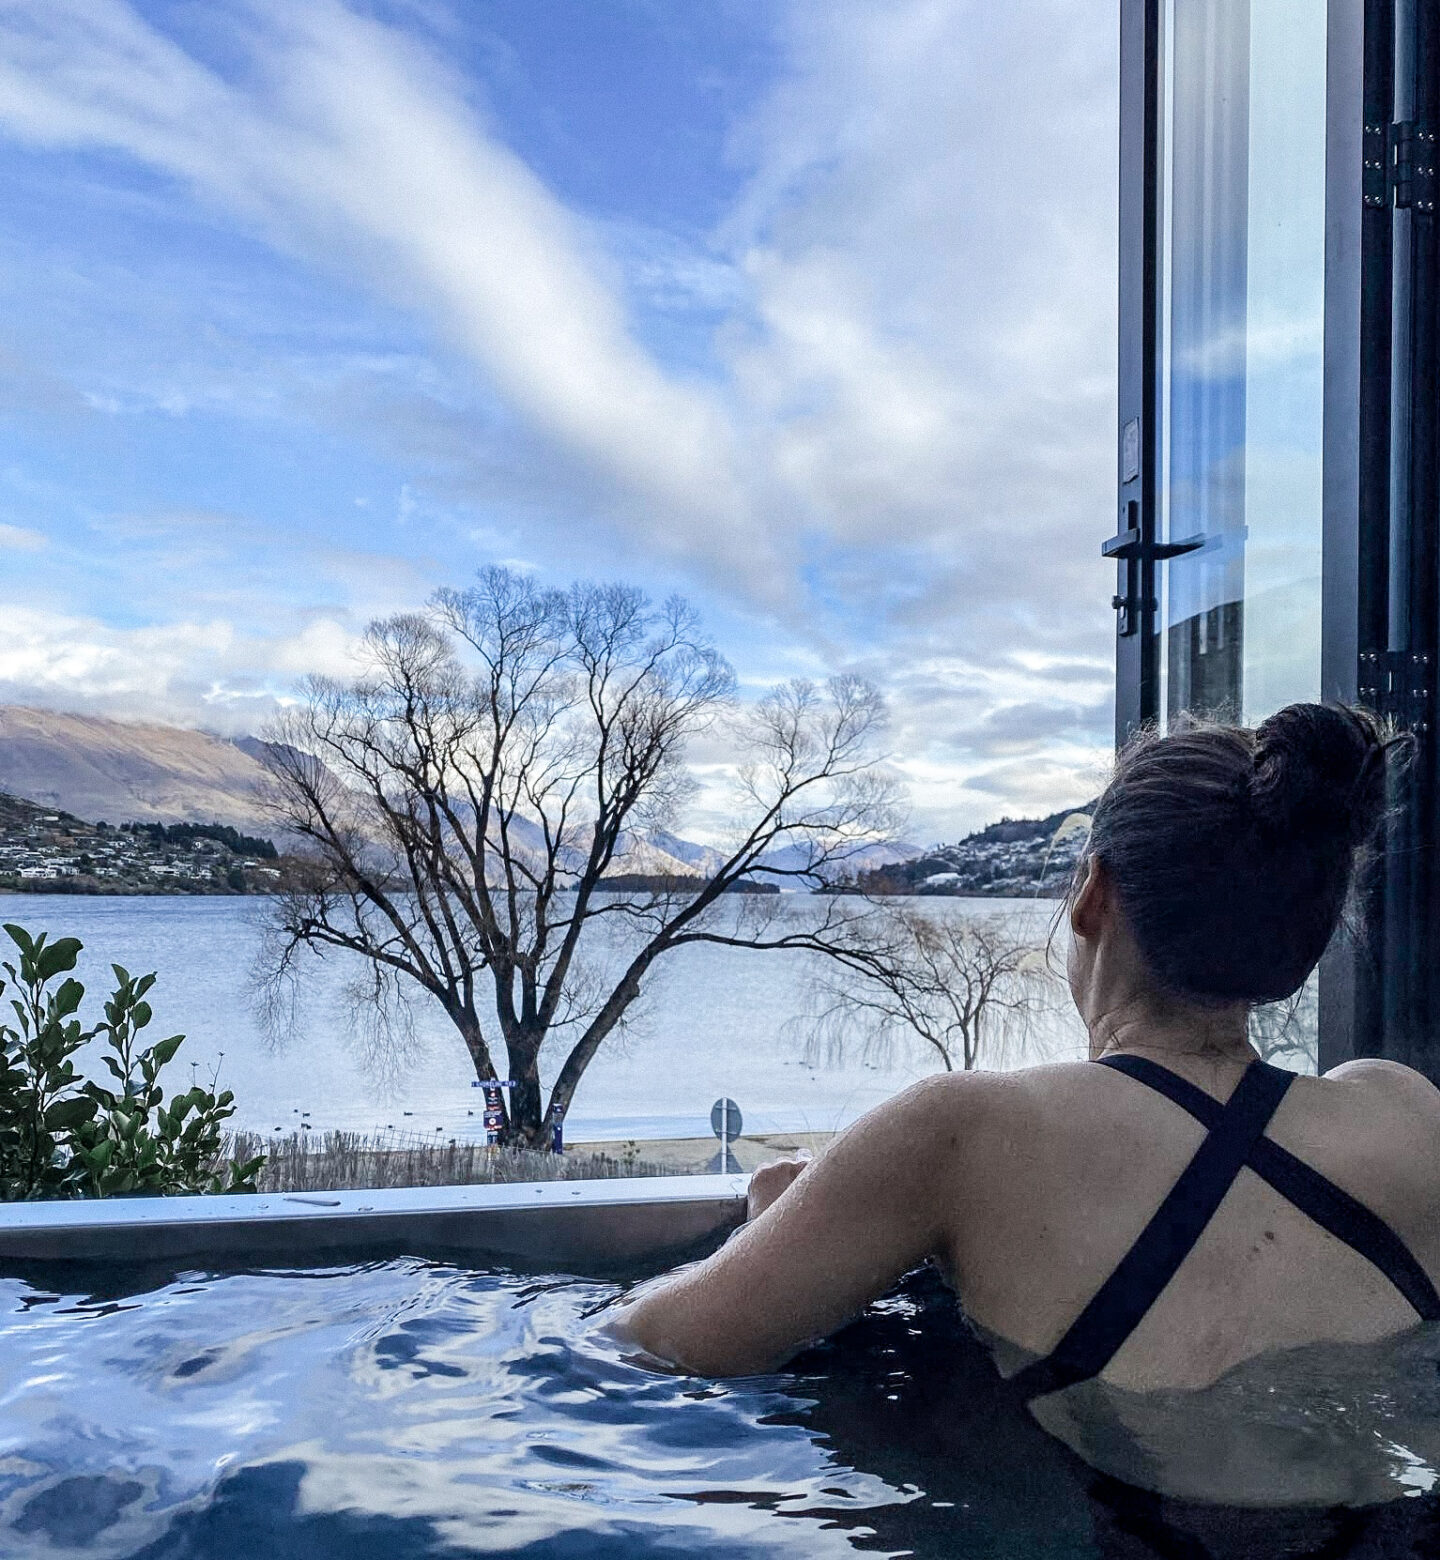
407,1409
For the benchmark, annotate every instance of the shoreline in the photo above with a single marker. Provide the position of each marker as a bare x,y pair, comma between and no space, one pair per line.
694,1154
42,887
337,1162
51,888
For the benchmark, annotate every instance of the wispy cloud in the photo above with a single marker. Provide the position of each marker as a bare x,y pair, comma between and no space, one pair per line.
18,538
347,140
934,278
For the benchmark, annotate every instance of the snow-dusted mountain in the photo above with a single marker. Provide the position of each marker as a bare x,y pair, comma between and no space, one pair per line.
864,858
700,859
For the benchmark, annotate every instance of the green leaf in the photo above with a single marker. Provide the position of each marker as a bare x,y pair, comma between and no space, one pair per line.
66,1115
140,1015
57,957
242,1176
67,1000
20,937
163,1051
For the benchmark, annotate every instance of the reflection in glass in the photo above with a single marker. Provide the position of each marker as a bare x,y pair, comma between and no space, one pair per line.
1242,297
1287,1034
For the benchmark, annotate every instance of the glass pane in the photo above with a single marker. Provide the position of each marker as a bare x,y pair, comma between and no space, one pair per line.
1242,278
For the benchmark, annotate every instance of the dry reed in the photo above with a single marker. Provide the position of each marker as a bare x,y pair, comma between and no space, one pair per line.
342,1161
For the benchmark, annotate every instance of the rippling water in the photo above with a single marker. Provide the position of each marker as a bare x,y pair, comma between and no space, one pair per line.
408,1409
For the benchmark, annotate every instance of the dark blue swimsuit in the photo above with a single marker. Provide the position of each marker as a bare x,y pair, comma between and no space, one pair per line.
1236,1139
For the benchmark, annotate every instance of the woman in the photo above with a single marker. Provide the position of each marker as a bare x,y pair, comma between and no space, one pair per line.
1153,1221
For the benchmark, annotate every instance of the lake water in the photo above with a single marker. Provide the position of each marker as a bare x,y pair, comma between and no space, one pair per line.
717,1021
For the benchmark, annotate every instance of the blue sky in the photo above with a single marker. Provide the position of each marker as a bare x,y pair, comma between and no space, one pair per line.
803,309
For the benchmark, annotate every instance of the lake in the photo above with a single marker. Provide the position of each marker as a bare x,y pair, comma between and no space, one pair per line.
717,1021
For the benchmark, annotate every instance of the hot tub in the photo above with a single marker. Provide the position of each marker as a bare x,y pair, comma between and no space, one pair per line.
325,1404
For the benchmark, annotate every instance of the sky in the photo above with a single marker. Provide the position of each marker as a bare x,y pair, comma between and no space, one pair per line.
804,309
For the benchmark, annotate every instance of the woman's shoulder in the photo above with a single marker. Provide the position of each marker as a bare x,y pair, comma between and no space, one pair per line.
1374,1127
990,1121
1373,1084
1380,1071
986,1092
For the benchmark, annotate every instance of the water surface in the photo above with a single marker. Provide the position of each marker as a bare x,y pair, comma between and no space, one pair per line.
409,1409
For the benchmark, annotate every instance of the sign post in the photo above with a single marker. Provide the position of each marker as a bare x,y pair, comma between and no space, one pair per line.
726,1123
494,1116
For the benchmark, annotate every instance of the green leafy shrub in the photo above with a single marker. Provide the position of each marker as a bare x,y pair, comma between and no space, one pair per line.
65,1135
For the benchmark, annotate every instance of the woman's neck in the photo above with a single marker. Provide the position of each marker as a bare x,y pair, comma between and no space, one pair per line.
1173,1032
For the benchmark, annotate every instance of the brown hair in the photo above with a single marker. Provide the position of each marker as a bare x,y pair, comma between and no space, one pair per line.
1232,850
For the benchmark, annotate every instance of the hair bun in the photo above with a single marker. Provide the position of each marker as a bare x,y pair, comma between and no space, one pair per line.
1232,851
1319,770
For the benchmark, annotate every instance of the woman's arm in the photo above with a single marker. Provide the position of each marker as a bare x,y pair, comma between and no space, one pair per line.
871,1207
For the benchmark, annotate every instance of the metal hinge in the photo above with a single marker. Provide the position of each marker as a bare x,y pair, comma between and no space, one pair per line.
1399,165
1396,684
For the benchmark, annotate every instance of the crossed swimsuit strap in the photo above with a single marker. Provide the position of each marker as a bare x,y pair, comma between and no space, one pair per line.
1236,1140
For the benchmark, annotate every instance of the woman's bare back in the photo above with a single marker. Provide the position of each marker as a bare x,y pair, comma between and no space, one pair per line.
1063,1166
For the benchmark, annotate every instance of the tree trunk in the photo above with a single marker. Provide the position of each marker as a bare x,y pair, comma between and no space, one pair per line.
527,1126
485,1072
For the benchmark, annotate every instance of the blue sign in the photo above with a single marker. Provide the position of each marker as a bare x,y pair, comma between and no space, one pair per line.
725,1119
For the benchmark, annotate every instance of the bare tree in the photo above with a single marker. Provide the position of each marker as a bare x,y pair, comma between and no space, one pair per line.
947,983
1288,1032
460,805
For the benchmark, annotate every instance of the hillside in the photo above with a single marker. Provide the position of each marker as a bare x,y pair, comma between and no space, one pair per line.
56,853
1014,858
95,768
122,771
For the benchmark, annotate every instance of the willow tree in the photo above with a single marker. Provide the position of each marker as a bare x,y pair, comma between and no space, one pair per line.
956,987
460,803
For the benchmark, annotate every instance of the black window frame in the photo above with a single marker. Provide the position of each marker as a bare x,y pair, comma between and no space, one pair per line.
1380,586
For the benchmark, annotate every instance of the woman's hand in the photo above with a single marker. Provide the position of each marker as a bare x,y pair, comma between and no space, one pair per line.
767,1183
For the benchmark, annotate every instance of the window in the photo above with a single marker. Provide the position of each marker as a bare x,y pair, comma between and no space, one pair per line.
1279,427
1242,271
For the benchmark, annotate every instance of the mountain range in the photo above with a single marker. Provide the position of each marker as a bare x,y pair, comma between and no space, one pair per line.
121,771
126,772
